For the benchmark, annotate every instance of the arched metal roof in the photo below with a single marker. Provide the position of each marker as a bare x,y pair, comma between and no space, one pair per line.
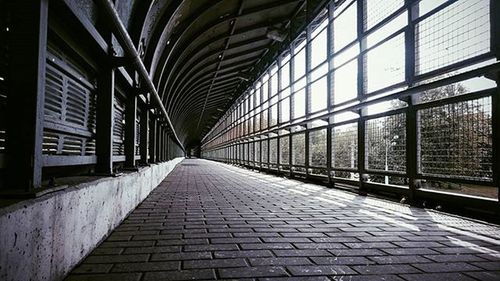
199,53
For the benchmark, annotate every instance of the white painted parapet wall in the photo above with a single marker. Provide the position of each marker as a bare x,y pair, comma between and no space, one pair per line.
44,238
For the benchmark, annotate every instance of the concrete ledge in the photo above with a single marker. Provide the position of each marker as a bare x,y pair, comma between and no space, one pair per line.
44,238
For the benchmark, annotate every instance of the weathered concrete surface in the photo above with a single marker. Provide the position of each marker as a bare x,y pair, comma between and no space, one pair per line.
44,238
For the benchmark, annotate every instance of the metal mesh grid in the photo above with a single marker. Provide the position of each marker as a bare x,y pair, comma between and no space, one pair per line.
317,148
284,150
273,151
245,151
345,146
377,10
257,152
250,152
264,151
386,143
458,32
456,140
298,149
274,115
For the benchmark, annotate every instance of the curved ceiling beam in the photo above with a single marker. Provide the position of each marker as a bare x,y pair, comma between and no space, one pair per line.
233,73
152,40
196,69
163,44
192,65
164,91
170,54
197,51
188,101
195,79
221,91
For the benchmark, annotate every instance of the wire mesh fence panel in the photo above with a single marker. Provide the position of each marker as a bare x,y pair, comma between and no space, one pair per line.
298,149
455,140
284,150
345,146
273,151
386,143
457,32
317,148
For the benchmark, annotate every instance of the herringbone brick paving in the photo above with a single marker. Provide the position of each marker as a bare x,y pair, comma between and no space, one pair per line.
211,221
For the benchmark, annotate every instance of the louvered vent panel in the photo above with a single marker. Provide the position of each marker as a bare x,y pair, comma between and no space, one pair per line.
50,143
54,91
72,146
77,104
90,147
70,107
119,127
138,135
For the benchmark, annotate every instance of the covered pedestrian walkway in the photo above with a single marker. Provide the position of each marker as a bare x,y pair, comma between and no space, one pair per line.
211,221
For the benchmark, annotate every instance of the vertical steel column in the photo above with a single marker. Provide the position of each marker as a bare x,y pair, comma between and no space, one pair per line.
104,120
308,94
25,104
158,142
162,144
330,97
167,148
495,101
411,113
152,139
495,120
143,142
363,177
130,130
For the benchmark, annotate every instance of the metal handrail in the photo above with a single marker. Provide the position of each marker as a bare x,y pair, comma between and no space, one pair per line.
126,42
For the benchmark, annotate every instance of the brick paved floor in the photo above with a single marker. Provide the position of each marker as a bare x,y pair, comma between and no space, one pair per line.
213,221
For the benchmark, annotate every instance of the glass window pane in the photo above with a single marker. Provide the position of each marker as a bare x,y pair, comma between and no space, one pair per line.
319,49
285,75
317,148
319,92
299,104
345,28
377,10
285,110
298,149
257,96
274,84
387,30
319,71
345,83
382,71
284,150
345,146
456,33
386,143
265,91
299,68
274,115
